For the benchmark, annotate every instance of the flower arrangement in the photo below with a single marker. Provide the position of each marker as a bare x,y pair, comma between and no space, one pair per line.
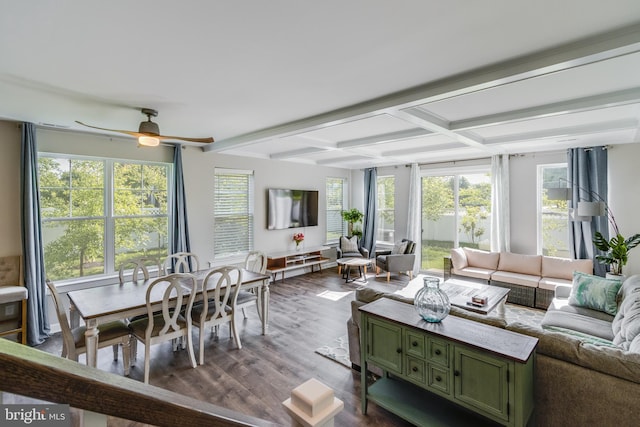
298,238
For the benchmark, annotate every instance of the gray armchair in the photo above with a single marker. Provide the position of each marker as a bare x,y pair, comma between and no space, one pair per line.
349,247
393,262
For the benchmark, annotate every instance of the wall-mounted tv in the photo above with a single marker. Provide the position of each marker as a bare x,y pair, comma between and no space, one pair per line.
291,208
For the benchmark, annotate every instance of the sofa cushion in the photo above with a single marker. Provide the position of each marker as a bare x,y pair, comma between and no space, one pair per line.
518,263
475,272
563,268
458,259
516,278
595,292
551,283
626,323
482,259
349,244
578,322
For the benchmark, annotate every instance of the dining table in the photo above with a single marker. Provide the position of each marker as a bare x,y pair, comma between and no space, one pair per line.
102,304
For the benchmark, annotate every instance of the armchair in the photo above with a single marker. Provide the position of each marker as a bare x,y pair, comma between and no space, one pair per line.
400,259
349,247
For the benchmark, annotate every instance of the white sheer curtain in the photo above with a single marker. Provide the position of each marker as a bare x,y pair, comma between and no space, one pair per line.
500,229
414,220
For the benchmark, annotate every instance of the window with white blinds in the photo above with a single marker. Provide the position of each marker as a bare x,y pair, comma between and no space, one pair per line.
233,212
335,205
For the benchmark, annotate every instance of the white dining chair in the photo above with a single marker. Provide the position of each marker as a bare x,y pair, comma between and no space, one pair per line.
138,266
181,262
219,292
177,290
73,340
256,262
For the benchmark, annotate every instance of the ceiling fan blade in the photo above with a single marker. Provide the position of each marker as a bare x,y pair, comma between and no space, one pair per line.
126,132
181,138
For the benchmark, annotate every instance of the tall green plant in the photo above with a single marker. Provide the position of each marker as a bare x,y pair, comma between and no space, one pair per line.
352,216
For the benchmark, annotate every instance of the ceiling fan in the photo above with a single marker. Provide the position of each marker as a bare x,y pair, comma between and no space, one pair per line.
149,133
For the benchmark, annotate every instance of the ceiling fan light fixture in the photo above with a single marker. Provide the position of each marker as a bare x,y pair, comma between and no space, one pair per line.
149,141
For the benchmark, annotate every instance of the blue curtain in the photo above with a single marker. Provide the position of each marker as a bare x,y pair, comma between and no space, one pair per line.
34,273
179,226
369,222
588,182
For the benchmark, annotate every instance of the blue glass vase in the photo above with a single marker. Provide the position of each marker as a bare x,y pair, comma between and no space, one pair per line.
431,303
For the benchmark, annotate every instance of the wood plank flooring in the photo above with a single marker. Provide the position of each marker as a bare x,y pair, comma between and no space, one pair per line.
258,378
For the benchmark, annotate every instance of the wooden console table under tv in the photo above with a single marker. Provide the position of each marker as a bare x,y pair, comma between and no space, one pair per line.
281,262
445,373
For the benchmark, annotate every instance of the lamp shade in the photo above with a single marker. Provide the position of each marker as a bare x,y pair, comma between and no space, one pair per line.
592,209
561,193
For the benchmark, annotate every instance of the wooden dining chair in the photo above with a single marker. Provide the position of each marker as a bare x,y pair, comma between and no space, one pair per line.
255,261
137,266
73,340
181,262
177,290
219,292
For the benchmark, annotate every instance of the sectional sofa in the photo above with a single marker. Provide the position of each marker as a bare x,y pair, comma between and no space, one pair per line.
532,279
587,369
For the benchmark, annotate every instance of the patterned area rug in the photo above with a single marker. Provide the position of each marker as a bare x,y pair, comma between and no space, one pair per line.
337,350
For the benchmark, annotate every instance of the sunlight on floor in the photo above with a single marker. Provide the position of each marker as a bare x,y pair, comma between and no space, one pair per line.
333,295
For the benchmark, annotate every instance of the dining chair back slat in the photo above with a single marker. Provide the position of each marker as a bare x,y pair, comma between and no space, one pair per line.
181,262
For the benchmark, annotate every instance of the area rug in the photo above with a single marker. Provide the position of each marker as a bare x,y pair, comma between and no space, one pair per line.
337,350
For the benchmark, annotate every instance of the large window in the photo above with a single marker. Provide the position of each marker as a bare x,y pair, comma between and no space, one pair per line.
385,209
456,211
97,213
553,221
335,205
233,212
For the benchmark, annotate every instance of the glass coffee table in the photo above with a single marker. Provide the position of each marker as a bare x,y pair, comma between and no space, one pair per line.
348,263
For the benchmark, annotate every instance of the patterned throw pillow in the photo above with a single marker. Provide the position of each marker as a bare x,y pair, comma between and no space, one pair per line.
399,247
594,292
349,244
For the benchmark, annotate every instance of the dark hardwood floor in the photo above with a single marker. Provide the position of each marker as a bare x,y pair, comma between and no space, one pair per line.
258,378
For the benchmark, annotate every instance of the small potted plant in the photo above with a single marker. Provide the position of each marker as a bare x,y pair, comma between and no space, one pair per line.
352,216
616,250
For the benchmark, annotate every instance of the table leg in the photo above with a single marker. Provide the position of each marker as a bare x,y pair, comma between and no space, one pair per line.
91,339
74,317
265,306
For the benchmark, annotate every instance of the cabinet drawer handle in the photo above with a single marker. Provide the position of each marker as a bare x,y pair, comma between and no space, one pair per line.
414,343
438,352
438,378
399,351
414,369
456,373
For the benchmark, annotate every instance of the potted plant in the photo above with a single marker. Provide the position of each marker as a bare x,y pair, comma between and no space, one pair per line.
352,216
616,250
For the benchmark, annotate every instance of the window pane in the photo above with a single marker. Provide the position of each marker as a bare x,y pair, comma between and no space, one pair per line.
140,189
554,214
335,206
140,237
73,248
233,213
385,209
438,220
474,210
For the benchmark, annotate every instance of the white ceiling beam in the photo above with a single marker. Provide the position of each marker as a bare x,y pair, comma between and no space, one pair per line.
425,149
586,51
297,153
565,132
589,103
384,138
435,124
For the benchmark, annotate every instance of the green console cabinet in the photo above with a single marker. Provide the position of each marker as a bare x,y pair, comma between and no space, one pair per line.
455,372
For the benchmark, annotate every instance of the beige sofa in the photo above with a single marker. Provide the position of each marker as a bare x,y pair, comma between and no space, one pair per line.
580,379
532,279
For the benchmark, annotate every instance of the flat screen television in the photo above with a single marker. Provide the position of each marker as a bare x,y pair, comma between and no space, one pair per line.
291,208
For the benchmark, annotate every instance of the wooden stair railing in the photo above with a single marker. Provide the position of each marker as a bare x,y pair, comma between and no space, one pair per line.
33,373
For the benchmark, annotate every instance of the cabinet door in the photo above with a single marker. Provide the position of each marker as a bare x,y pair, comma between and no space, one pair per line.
481,382
384,345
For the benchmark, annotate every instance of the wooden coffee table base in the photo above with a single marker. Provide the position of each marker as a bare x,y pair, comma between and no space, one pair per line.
347,263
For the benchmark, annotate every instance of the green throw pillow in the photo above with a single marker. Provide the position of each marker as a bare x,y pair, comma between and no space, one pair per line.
594,292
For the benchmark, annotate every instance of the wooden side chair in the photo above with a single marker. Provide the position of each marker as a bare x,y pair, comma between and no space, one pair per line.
219,293
73,340
13,293
181,262
177,290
